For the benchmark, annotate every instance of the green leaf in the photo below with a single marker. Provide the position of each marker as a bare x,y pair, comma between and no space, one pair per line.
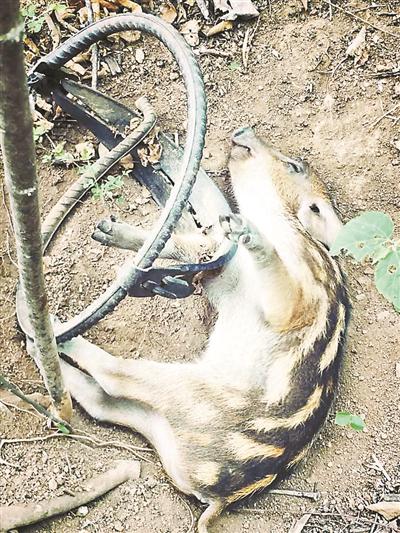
234,65
357,423
344,418
387,276
364,236
61,427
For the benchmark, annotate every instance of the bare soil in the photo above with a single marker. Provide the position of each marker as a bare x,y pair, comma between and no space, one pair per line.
302,93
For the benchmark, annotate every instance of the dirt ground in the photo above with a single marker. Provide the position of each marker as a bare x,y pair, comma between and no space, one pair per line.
303,94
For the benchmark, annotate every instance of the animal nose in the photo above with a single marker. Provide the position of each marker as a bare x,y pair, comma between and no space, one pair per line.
244,131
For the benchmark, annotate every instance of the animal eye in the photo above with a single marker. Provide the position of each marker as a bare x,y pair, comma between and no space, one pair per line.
314,208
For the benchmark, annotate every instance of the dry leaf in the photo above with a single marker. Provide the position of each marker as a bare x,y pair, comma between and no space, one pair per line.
218,28
139,55
127,162
357,44
83,16
130,36
133,6
108,5
388,510
190,31
42,104
299,525
75,67
168,12
31,45
237,8
221,5
76,3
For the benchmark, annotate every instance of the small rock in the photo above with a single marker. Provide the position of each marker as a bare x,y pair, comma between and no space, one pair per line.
173,76
139,55
395,162
82,510
52,484
118,526
398,369
397,89
383,315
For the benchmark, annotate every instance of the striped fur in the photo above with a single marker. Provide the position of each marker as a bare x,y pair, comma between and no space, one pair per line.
247,411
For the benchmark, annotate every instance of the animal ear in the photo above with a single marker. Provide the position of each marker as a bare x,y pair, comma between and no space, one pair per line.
320,220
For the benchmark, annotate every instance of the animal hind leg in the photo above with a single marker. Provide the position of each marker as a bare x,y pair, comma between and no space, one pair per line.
101,406
156,384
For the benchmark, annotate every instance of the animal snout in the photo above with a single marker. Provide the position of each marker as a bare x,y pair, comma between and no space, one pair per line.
242,133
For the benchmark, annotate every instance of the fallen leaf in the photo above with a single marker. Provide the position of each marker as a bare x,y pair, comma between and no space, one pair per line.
139,55
85,150
357,45
221,5
388,510
218,28
83,15
299,525
168,12
133,6
108,5
237,8
75,67
190,31
130,36
31,45
76,3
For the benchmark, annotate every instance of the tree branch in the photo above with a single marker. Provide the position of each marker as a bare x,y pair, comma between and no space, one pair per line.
15,516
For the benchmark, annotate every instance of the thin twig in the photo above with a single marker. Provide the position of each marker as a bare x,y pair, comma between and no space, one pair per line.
95,48
356,17
376,122
64,23
192,519
20,409
80,438
248,39
315,496
5,384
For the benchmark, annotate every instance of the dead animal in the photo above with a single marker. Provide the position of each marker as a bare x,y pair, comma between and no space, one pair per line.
244,413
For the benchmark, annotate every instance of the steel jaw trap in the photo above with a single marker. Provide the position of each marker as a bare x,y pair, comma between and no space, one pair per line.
177,183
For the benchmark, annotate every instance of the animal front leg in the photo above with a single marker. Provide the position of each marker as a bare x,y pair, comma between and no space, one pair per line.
240,231
187,247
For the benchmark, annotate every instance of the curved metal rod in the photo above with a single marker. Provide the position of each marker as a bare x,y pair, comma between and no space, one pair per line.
86,181
190,162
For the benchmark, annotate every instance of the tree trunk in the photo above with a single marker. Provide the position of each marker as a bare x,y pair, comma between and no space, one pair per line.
20,177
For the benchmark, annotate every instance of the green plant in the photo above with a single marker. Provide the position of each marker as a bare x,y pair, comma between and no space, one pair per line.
106,189
370,237
39,129
33,20
234,65
59,154
344,418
